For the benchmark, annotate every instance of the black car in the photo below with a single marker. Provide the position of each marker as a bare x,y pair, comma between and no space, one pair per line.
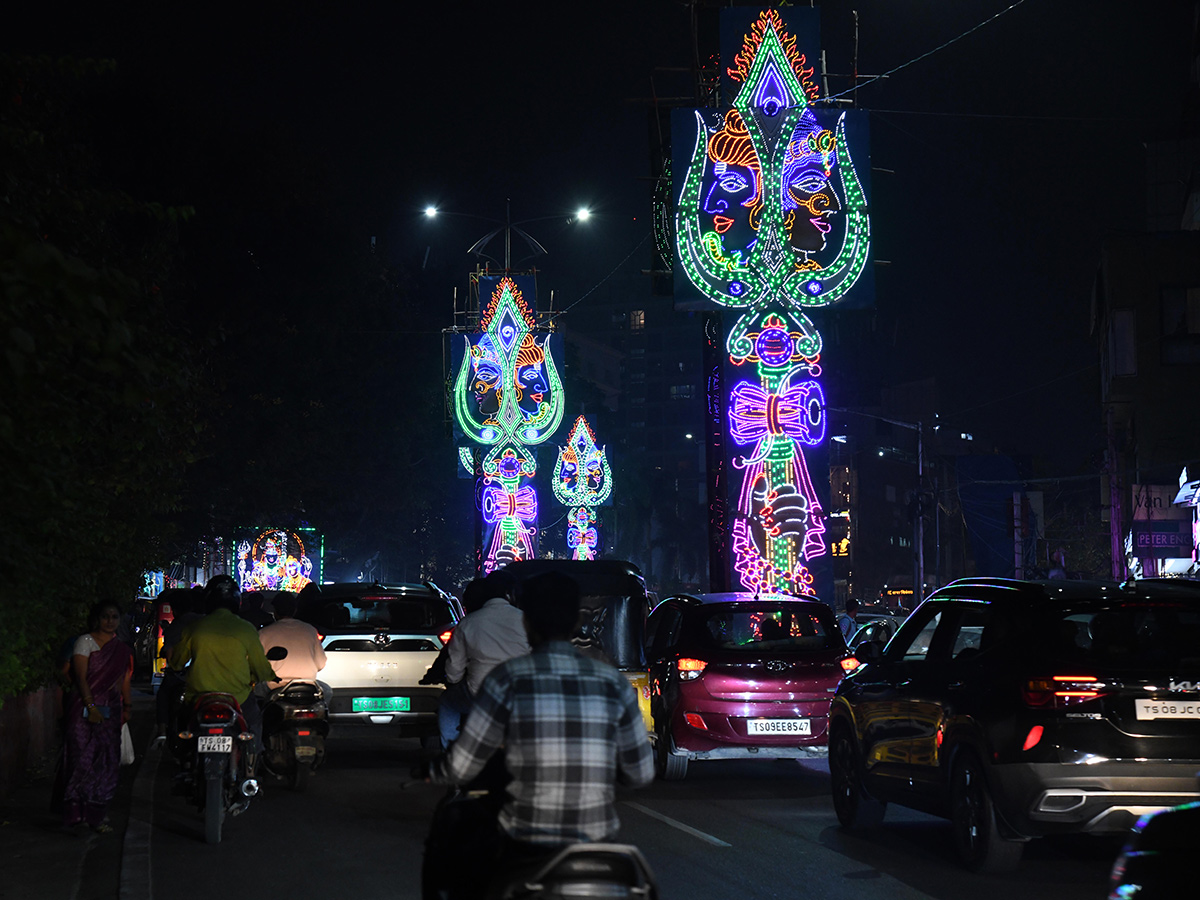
1156,862
1021,709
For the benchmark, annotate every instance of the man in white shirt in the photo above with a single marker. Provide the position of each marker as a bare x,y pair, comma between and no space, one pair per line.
305,655
493,634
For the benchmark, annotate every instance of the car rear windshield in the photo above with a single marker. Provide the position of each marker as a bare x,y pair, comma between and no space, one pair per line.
758,629
1136,634
391,613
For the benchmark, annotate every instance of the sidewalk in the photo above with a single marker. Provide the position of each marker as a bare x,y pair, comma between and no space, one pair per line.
40,862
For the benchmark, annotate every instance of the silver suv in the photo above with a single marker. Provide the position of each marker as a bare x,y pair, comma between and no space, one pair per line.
380,640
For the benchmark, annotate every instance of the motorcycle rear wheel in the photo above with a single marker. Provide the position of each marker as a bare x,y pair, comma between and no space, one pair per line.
298,774
214,808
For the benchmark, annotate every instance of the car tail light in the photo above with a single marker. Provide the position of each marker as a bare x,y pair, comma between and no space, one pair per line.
695,720
444,637
1058,691
849,664
690,668
1031,739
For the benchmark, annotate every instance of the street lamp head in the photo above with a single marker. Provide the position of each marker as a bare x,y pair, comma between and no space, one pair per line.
431,211
584,214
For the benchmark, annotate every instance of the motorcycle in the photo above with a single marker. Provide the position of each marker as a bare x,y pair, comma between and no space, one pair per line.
466,817
214,747
295,725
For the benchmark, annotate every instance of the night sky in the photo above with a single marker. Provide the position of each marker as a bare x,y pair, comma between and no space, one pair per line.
1011,153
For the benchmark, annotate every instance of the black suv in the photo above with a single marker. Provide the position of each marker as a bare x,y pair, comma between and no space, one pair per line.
1020,709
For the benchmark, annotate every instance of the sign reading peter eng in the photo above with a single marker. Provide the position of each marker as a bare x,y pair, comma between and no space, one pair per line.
1162,539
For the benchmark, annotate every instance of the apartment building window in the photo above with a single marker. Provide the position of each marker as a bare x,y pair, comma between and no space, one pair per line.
681,392
1180,326
637,320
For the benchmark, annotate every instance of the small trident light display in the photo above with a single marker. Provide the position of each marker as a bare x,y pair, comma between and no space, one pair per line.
583,481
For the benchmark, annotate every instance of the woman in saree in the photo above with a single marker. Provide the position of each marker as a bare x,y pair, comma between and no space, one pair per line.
101,669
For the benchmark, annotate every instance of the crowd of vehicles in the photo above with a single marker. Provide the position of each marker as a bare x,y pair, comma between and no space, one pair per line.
1013,709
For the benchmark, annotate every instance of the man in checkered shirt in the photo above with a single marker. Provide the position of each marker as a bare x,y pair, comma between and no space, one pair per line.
570,728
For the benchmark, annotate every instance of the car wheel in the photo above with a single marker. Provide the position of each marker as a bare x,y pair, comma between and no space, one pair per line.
855,808
669,766
977,836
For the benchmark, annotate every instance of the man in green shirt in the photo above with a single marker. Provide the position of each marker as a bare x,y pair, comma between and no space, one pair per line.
225,654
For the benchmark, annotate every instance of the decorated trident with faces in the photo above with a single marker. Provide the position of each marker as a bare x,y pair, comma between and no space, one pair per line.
770,184
508,398
582,482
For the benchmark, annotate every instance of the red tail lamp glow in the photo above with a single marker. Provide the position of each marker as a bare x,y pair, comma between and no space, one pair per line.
1061,690
695,720
444,637
1031,739
690,668
849,664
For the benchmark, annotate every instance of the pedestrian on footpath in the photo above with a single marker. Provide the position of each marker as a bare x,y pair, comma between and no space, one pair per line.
101,702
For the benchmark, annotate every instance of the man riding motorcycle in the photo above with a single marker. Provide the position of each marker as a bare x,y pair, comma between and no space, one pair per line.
225,656
570,728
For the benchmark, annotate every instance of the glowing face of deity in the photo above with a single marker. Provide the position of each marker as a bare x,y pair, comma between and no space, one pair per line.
530,376
568,470
487,371
809,200
733,200
595,475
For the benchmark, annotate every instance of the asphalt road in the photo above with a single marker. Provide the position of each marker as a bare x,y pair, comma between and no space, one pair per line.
753,829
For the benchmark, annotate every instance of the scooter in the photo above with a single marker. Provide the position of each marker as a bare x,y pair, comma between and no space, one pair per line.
466,817
295,725
215,745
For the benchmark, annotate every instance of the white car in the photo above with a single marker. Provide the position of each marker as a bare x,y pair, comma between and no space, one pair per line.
380,641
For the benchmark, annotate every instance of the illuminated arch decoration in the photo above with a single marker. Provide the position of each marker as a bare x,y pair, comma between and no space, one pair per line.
508,398
583,481
275,561
771,221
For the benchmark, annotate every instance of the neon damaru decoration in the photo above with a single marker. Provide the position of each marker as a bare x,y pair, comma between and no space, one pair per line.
583,481
771,220
507,399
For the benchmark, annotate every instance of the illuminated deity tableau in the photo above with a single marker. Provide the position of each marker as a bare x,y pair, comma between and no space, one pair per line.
276,561
508,398
582,482
771,219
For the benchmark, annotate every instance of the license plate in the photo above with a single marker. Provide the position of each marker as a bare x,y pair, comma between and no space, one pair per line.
306,752
1168,709
379,704
778,726
208,743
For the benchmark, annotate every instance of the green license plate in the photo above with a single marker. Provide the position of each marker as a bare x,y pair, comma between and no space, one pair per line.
379,704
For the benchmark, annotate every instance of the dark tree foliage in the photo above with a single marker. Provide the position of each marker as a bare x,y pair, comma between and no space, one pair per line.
98,394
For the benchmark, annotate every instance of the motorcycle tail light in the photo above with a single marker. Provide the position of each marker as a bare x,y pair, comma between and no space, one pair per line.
303,733
215,715
303,714
690,668
849,664
444,637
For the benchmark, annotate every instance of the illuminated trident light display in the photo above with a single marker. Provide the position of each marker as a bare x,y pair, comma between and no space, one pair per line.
507,398
770,183
583,481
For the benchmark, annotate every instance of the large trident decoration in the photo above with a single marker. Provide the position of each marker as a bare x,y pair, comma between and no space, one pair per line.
582,482
769,184
508,398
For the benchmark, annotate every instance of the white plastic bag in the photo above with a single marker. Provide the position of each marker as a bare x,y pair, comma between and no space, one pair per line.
127,755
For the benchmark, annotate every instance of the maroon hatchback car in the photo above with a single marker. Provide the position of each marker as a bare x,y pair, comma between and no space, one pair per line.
739,676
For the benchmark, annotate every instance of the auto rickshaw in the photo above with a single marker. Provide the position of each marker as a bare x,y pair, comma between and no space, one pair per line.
613,608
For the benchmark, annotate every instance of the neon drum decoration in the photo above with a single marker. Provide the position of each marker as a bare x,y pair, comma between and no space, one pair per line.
508,399
583,481
771,220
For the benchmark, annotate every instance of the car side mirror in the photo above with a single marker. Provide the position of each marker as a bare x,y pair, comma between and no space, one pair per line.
276,653
869,651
